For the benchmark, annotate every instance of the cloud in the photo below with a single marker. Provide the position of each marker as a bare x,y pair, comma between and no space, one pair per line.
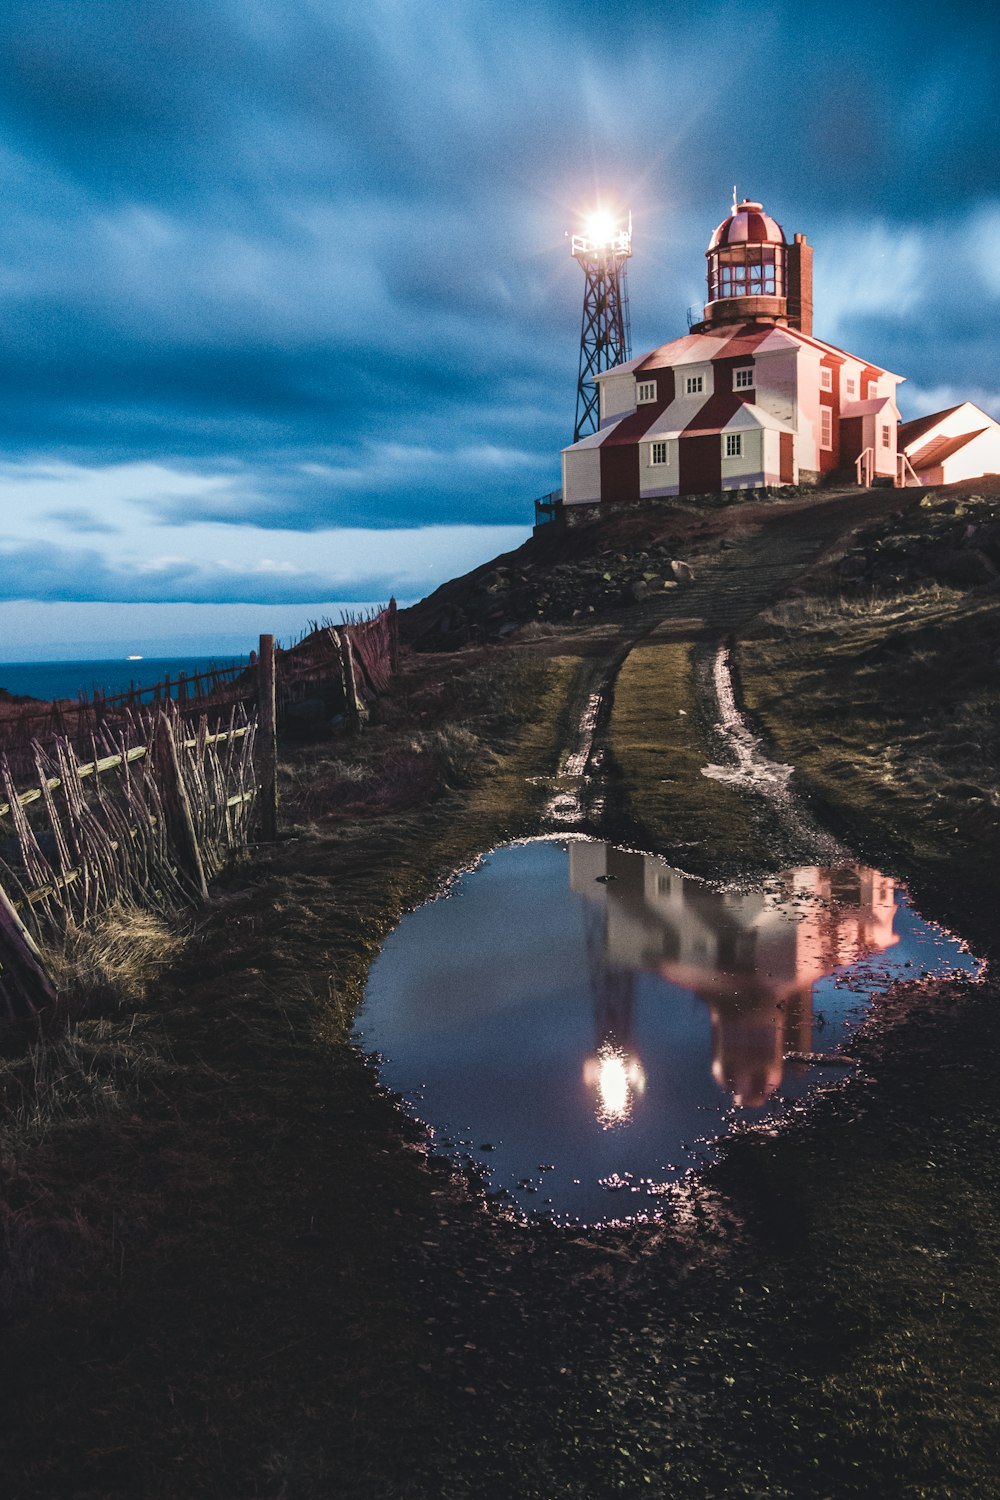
313,256
79,518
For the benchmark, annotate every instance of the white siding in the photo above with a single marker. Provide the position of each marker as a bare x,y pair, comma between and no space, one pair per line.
748,468
581,476
777,383
658,479
617,396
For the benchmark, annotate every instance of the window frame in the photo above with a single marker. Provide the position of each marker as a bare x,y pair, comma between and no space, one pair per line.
732,445
659,453
645,392
826,428
694,385
886,435
744,385
825,378
851,385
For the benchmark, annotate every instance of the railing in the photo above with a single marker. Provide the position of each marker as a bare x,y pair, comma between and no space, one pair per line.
865,468
547,508
903,466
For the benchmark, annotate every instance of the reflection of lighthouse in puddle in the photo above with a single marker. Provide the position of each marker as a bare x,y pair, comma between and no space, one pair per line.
752,958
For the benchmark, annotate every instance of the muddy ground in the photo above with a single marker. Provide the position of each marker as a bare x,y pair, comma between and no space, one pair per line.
232,1267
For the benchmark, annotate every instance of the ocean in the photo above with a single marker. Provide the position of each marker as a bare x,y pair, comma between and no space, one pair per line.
67,679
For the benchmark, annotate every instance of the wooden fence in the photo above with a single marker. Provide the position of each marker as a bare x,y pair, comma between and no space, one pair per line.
165,790
321,662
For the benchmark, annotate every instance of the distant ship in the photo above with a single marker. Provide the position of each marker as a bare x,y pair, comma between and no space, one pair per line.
133,658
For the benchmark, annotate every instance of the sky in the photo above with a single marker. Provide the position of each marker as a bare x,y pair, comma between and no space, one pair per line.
288,317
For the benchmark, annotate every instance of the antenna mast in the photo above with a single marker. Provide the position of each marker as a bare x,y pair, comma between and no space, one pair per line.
603,251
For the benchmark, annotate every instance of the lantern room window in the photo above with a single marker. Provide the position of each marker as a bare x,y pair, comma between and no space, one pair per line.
746,271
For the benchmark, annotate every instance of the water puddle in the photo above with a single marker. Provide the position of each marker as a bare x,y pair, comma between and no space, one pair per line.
584,1020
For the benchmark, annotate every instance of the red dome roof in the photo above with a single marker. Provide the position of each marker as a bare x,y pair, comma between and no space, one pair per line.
748,224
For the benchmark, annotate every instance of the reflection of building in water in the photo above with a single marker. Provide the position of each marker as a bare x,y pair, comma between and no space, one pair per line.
753,958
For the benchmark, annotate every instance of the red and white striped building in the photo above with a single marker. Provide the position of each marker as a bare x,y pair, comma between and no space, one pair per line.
747,398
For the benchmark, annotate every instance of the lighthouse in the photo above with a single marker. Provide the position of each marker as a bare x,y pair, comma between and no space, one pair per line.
747,398
753,273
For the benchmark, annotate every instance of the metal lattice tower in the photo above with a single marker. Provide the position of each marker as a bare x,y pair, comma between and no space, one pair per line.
605,335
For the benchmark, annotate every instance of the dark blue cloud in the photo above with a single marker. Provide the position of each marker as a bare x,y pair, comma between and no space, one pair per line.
301,241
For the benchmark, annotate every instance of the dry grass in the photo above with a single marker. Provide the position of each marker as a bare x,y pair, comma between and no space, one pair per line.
112,963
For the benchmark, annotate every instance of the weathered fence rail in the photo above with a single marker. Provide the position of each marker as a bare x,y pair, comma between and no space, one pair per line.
143,802
141,824
319,660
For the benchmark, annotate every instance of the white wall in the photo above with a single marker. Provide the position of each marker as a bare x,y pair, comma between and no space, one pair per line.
981,456
776,384
658,479
581,476
748,469
807,442
617,396
772,458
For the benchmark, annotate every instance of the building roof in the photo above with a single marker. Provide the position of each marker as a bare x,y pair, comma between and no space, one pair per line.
870,408
748,224
911,432
941,448
734,340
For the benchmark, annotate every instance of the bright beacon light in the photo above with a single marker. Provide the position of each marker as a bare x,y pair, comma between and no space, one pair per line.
604,234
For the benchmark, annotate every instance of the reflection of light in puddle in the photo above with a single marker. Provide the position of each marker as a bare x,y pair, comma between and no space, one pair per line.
617,1077
516,1012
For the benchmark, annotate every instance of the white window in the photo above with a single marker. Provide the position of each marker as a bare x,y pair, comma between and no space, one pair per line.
825,427
852,386
871,389
694,384
743,379
658,453
886,437
826,380
645,390
734,445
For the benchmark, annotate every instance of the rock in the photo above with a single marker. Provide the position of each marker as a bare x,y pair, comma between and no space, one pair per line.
639,591
682,571
963,566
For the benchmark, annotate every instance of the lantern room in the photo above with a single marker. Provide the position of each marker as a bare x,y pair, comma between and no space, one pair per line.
754,275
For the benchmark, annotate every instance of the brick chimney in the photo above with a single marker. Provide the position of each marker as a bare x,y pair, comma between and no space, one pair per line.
800,285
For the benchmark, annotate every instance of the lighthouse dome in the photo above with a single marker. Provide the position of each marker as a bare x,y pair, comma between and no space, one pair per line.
748,224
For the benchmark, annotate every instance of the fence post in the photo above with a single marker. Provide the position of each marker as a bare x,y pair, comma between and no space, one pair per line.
267,730
351,703
21,956
177,807
393,638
